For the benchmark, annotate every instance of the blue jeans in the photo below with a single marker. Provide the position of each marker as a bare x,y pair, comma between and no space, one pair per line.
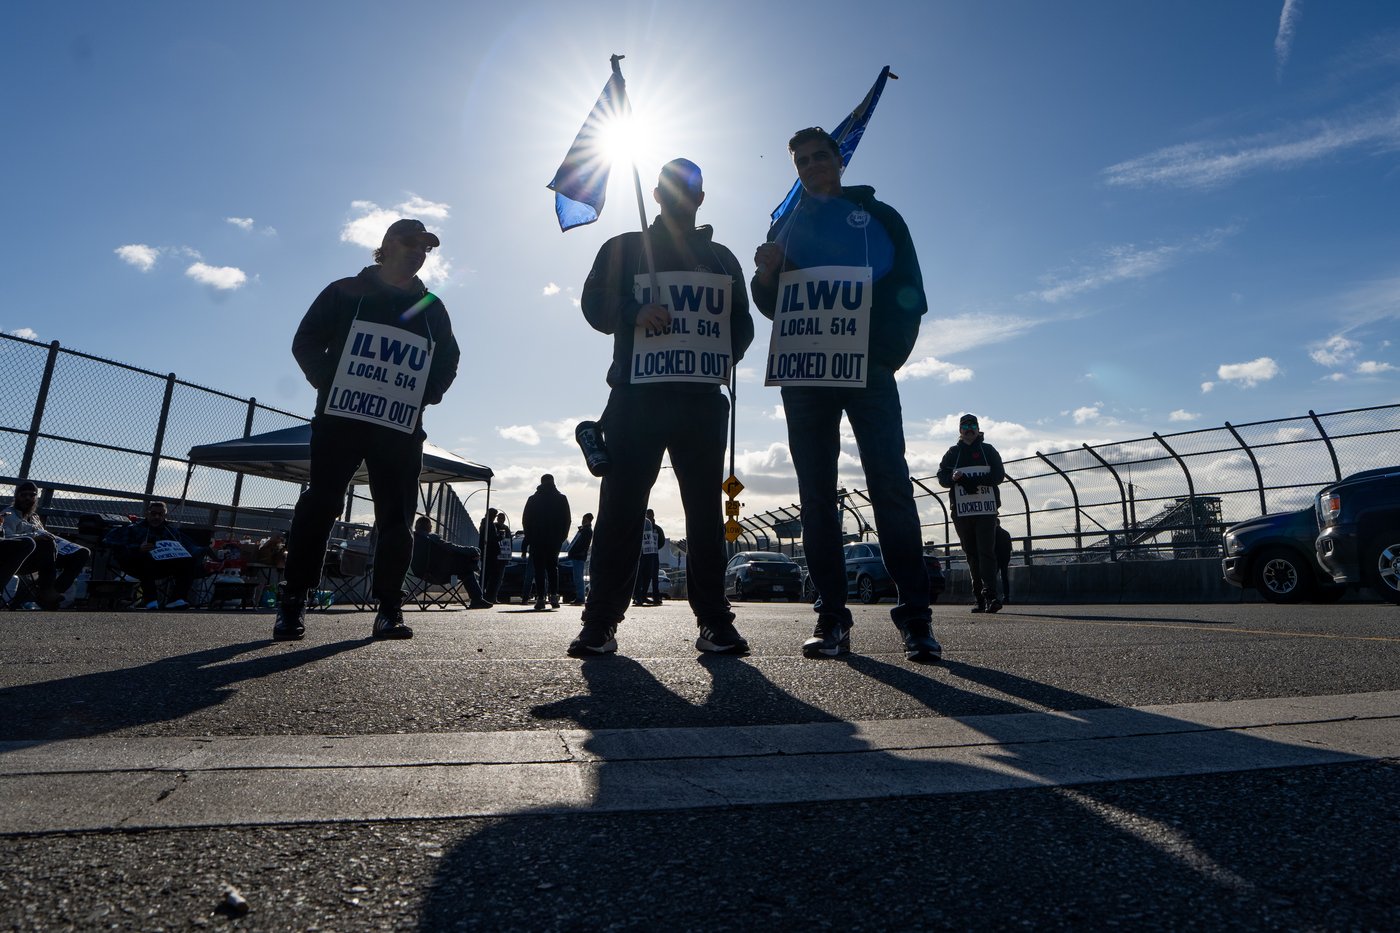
576,567
814,438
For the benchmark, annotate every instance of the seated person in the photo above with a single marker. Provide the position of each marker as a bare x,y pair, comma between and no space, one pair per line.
154,549
444,559
272,551
56,561
13,552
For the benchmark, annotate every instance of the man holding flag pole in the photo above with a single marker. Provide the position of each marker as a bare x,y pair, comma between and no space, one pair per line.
840,279
675,304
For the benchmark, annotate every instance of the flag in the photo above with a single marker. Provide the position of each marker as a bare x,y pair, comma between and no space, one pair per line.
581,184
847,135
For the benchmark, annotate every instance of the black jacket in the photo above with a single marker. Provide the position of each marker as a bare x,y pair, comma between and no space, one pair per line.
898,301
976,454
320,338
578,549
546,518
610,307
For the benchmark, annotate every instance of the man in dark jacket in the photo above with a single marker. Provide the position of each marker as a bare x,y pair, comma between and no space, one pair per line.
866,244
972,470
649,566
379,348
154,549
578,556
676,337
546,521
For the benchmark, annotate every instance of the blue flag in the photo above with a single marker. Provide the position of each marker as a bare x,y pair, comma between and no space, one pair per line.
847,136
581,184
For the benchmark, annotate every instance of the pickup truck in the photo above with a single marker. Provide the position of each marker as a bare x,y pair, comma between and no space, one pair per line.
1359,542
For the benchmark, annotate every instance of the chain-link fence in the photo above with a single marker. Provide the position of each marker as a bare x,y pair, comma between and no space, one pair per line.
103,437
1164,496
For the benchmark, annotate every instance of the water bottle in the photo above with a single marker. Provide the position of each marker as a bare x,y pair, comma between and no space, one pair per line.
595,452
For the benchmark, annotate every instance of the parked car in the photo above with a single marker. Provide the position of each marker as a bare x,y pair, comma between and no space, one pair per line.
869,581
1277,556
513,579
1359,540
762,574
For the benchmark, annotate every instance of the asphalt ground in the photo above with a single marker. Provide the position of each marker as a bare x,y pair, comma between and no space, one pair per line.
1310,846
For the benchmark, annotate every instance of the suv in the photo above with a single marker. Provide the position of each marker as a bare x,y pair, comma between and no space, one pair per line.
1360,539
868,580
1276,555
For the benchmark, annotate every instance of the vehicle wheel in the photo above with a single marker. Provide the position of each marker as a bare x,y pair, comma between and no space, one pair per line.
739,591
1384,561
865,589
1281,577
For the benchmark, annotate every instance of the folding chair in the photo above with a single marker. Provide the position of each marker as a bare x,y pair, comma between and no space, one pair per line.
349,578
430,588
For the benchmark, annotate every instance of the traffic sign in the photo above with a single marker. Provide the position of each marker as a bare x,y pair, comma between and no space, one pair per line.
731,507
732,530
732,487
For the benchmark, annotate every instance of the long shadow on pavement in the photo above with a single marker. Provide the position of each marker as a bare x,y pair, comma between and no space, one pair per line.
160,691
1054,857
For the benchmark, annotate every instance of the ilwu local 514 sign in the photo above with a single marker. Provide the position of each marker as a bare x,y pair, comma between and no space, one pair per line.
695,346
382,376
821,328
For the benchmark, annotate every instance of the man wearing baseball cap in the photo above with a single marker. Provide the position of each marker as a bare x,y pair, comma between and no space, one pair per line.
972,470
379,348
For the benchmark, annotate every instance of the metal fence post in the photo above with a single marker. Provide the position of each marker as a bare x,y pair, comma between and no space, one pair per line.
947,539
1027,503
1258,474
1336,467
238,477
1078,525
1122,495
160,434
1190,490
28,460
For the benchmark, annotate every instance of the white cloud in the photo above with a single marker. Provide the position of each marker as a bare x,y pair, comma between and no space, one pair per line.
1125,262
777,414
139,255
1249,374
1209,165
951,335
420,208
1371,368
1088,413
520,432
28,333
242,223
551,289
1334,351
928,366
224,278
1287,25
1336,377
1182,414
1206,387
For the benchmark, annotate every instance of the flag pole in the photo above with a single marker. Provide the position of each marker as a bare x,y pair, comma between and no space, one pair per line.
637,184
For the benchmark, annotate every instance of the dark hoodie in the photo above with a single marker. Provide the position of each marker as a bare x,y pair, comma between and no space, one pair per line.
609,305
898,301
976,454
320,338
546,518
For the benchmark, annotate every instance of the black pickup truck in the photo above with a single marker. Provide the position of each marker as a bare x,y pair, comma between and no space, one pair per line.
1359,542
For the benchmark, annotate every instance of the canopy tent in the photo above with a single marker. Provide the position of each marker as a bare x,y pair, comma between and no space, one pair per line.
286,455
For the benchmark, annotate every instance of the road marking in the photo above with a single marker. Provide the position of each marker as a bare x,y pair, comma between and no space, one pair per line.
128,783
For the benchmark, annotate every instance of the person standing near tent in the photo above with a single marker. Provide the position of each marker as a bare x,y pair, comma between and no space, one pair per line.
848,274
378,348
671,353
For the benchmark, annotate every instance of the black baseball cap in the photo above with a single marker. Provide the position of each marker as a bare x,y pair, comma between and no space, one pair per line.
409,228
967,423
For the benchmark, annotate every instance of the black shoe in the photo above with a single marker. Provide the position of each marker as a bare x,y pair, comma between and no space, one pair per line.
480,604
638,602
554,601
388,622
981,604
920,645
994,605
539,604
831,637
721,637
595,638
290,625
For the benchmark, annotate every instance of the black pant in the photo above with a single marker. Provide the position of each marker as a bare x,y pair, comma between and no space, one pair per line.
395,461
13,552
545,559
648,577
979,539
640,426
181,570
56,571
446,559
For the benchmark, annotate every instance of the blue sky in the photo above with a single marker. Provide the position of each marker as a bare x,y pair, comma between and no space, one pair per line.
1132,217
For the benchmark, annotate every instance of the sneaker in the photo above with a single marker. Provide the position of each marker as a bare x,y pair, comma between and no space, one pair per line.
831,637
290,625
539,604
981,604
594,638
177,604
721,637
388,622
920,645
480,604
994,605
153,604
554,601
